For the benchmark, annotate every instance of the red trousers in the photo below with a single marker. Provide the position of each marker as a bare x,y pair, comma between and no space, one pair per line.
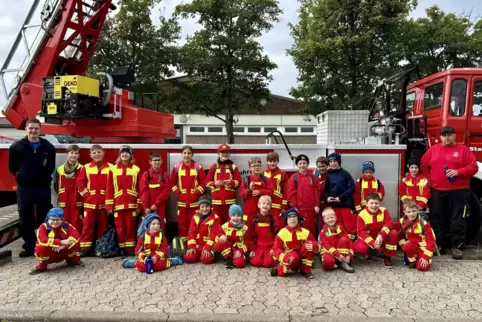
73,215
389,246
309,217
302,260
227,250
223,212
158,266
125,227
93,218
414,253
344,246
196,256
277,215
184,216
46,255
346,218
262,258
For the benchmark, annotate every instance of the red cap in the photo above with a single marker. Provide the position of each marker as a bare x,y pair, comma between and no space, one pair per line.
224,148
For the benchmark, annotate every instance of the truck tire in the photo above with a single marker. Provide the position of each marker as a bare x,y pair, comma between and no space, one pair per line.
475,219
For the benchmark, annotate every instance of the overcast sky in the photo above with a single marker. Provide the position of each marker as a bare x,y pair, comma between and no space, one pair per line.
275,43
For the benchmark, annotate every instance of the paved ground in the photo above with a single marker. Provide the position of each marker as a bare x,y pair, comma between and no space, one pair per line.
450,291
8,214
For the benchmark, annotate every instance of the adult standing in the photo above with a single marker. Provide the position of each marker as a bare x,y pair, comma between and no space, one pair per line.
32,162
449,166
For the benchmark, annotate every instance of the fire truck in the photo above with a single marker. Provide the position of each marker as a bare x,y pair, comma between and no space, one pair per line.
52,87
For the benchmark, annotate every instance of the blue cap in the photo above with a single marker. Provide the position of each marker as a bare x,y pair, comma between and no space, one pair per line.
55,213
335,156
146,223
292,211
235,209
368,165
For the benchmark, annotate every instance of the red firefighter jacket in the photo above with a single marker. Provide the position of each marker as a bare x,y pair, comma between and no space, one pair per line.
66,188
263,230
51,237
250,206
92,184
154,245
279,182
306,193
328,238
187,183
419,232
202,234
417,189
289,239
239,238
363,187
226,194
155,189
123,187
369,225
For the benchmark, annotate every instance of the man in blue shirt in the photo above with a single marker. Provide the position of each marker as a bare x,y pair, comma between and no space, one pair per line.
31,162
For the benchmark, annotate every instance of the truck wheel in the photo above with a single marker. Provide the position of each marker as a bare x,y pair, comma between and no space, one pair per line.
475,219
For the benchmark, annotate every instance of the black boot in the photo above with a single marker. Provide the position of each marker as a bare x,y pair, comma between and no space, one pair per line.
346,267
84,253
26,253
229,262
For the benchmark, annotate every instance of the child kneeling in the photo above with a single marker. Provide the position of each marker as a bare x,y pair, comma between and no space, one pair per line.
417,237
294,247
336,247
264,228
57,241
233,239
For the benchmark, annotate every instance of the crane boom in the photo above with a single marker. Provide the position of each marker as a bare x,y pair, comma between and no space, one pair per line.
64,46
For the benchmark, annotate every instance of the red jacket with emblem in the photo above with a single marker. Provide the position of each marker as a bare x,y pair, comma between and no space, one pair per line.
328,238
202,233
225,194
305,194
238,237
417,189
123,187
155,189
365,186
66,187
457,157
263,231
51,237
265,188
187,183
279,182
418,233
154,245
371,225
92,184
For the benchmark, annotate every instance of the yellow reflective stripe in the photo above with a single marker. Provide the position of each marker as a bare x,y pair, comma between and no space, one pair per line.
427,252
275,205
118,194
226,251
174,189
61,204
201,190
391,247
154,185
83,192
402,242
109,202
422,199
92,192
285,202
132,192
209,243
404,197
61,190
191,242
386,230
358,208
281,257
368,240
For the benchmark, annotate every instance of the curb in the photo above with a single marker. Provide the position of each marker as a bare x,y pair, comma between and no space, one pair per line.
76,316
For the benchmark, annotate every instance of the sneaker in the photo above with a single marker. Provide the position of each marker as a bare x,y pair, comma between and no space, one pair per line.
229,263
308,275
84,253
412,265
26,253
274,271
387,261
75,264
346,267
129,263
457,253
37,270
176,261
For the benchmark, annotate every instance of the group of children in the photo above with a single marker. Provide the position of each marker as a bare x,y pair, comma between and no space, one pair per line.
276,229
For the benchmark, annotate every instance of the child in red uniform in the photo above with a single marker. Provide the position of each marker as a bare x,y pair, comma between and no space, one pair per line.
187,181
69,198
155,189
294,247
304,193
202,233
336,247
321,171
122,199
233,239
375,231
417,237
57,241
223,179
415,186
263,231
366,185
279,181
252,188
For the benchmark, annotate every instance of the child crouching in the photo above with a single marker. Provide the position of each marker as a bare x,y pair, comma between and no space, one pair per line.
233,239
294,247
417,237
336,247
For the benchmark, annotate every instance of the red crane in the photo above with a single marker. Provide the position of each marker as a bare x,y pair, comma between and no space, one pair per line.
65,45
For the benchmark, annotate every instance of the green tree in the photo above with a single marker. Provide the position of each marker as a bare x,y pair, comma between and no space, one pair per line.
131,39
224,58
342,48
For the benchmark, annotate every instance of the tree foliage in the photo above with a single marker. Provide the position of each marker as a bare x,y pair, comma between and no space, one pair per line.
131,39
224,58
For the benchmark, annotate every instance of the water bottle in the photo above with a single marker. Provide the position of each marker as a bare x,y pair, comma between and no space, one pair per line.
149,265
451,179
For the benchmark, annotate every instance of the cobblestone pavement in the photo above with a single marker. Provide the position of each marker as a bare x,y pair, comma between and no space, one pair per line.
450,291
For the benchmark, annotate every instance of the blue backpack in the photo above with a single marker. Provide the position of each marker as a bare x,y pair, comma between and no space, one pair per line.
107,246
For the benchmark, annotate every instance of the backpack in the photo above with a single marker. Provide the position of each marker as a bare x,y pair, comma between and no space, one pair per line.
176,249
107,246
247,180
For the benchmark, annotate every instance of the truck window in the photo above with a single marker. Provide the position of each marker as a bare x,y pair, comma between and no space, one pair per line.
433,96
410,98
458,93
477,107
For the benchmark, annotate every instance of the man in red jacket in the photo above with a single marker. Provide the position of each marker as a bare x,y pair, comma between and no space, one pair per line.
449,166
